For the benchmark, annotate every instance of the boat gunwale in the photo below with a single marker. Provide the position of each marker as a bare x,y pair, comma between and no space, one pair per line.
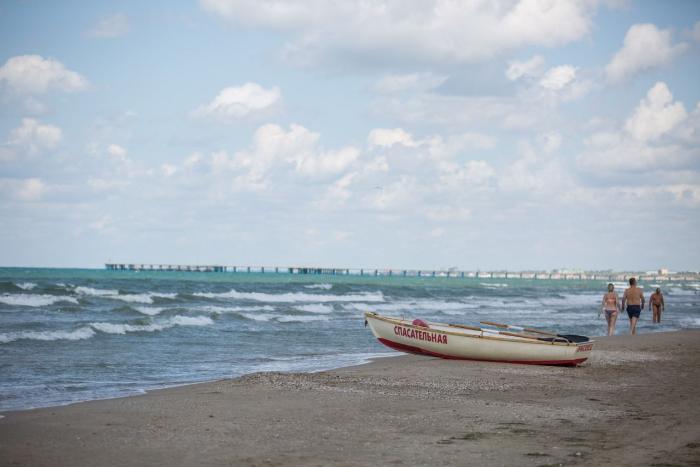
524,340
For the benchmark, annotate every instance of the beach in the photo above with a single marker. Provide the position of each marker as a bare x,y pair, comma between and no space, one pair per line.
635,402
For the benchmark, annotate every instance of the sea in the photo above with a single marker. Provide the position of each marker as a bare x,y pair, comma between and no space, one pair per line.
69,335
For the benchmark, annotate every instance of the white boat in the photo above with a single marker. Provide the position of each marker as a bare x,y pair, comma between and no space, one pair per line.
455,341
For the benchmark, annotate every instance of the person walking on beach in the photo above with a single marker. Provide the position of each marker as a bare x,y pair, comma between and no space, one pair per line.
611,308
656,305
634,299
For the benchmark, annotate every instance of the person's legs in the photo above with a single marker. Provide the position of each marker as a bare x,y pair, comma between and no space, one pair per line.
633,325
613,322
608,318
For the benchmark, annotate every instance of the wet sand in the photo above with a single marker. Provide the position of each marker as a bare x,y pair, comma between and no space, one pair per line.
636,402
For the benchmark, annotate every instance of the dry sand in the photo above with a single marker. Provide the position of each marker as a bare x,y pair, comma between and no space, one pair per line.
636,403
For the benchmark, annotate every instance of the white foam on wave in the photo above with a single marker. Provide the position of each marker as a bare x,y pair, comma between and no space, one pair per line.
149,310
34,300
294,297
415,305
259,316
25,285
78,334
82,290
300,318
315,308
319,286
146,298
233,309
493,285
179,320
122,328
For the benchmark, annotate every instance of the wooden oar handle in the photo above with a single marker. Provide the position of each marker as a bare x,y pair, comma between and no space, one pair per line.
498,325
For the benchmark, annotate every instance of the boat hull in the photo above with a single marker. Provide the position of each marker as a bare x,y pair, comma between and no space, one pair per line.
403,336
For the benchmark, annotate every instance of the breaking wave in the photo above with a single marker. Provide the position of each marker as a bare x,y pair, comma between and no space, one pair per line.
319,286
78,334
315,308
34,300
294,297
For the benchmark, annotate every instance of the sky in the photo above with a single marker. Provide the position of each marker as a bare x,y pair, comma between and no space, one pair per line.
503,134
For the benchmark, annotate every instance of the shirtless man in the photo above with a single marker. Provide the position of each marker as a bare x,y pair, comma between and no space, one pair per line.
656,304
634,299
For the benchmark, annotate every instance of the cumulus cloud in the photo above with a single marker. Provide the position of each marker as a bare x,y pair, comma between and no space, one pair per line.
558,77
656,114
116,151
236,102
529,68
645,47
27,189
274,151
413,82
33,74
32,136
112,26
654,137
429,31
387,137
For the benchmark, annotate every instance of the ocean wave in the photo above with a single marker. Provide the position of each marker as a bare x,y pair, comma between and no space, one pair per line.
34,300
82,290
179,320
25,285
78,334
493,285
414,305
319,286
122,328
146,298
292,297
315,308
300,318
149,310
258,316
233,309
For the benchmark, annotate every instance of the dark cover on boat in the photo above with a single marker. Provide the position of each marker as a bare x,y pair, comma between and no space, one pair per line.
570,337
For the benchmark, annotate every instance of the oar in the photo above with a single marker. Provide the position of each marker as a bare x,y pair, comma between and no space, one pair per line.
508,326
505,333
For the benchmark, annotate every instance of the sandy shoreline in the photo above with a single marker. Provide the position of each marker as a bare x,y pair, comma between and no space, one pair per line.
635,403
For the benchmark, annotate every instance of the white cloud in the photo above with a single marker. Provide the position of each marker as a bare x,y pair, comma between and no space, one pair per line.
116,151
426,31
387,137
235,102
658,136
656,114
471,174
33,74
112,26
529,68
558,77
645,47
414,82
275,149
33,136
27,189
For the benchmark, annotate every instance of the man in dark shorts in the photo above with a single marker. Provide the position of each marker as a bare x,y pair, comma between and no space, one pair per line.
633,298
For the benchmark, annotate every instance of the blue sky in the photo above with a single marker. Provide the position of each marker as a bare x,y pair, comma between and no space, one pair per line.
503,134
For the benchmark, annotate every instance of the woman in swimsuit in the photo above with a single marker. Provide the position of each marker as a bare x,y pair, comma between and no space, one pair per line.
656,304
611,308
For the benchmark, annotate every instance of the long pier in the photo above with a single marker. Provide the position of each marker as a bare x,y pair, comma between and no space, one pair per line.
500,274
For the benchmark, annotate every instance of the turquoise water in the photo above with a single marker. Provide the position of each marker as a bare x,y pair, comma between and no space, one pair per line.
74,334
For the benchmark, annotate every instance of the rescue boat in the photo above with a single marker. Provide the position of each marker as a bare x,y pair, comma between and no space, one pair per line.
497,343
